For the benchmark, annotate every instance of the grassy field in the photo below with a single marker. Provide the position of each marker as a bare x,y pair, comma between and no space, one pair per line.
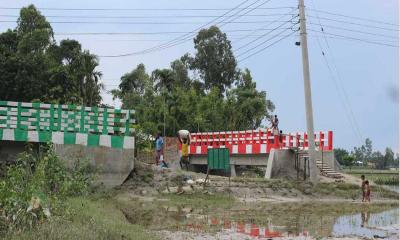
383,177
87,219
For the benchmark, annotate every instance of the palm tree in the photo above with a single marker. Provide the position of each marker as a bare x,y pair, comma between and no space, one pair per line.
89,79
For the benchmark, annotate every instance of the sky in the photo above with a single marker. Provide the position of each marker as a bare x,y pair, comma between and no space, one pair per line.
354,84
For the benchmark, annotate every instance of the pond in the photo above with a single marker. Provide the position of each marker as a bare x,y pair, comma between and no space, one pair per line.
263,221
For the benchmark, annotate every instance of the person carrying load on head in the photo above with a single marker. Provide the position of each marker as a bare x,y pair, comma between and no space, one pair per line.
184,139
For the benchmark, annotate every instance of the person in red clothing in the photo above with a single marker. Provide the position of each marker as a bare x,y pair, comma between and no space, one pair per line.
363,187
367,195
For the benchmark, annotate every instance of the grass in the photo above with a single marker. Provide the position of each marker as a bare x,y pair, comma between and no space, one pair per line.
351,191
87,219
381,177
370,171
201,200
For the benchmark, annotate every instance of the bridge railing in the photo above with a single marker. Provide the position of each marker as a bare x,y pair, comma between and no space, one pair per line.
256,141
66,124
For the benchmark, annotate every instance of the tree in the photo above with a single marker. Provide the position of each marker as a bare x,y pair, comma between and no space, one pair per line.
180,73
248,106
377,159
34,31
135,81
340,154
214,59
34,68
368,150
204,102
388,159
89,79
364,153
349,160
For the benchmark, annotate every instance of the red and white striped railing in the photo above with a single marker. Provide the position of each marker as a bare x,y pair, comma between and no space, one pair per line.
256,141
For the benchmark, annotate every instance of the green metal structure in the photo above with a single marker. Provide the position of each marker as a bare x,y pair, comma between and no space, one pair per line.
66,124
218,159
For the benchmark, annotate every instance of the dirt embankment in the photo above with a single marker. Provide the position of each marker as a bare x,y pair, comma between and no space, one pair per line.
149,181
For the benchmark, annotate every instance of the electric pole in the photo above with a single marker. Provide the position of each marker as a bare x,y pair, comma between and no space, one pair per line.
307,95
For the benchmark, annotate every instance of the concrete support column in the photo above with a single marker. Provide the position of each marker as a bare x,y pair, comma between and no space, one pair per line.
233,170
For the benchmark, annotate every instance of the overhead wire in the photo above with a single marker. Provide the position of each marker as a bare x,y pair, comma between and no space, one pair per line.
189,35
354,23
354,30
147,9
263,35
267,46
144,17
263,27
145,23
173,41
357,39
351,17
339,85
149,33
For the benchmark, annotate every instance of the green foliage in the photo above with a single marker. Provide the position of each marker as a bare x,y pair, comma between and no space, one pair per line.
367,156
86,219
349,160
34,67
214,59
35,185
340,153
182,101
364,153
383,180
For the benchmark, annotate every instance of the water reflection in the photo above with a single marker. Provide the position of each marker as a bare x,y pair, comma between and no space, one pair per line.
368,225
259,224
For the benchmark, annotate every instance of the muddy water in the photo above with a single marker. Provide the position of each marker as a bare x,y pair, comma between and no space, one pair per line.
383,224
282,220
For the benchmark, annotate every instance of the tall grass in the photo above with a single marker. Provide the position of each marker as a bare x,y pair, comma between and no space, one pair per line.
35,187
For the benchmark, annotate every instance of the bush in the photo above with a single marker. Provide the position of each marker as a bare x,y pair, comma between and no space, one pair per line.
387,180
35,187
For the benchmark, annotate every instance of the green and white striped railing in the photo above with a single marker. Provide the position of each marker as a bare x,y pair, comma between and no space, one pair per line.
66,124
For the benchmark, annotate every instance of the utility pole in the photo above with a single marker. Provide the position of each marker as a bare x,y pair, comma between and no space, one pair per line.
307,94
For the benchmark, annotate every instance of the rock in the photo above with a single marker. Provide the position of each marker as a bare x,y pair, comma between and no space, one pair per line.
307,191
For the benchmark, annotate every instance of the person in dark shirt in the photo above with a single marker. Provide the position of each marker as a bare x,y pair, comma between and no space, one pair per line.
275,123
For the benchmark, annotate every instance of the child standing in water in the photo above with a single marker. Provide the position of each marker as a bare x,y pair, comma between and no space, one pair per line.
367,196
363,187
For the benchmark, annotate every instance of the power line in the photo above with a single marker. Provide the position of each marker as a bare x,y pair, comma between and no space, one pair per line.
150,9
236,37
143,23
148,33
146,17
263,35
184,37
346,98
180,37
354,30
340,38
261,29
353,17
356,39
264,48
353,23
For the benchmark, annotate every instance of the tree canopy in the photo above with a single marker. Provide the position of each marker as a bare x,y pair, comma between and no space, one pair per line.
33,67
221,97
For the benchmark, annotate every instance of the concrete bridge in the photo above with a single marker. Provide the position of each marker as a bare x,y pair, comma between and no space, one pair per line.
101,135
283,155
